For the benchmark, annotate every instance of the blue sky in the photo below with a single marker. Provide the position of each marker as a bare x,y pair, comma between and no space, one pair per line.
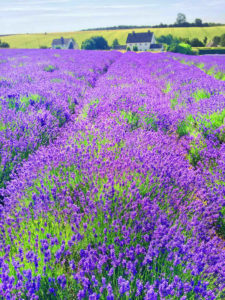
29,16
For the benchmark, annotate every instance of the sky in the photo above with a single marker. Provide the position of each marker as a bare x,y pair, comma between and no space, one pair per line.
38,16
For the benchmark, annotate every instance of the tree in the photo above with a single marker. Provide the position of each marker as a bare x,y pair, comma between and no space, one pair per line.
95,43
196,43
185,40
4,45
168,39
216,41
88,44
205,40
198,22
115,43
135,48
101,43
222,40
181,18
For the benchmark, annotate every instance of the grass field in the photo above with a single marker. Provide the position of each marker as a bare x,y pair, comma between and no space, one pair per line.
37,40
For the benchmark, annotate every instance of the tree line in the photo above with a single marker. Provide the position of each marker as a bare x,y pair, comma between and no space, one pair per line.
169,40
181,21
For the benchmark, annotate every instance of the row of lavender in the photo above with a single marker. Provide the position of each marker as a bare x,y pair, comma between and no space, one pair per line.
211,64
121,206
39,92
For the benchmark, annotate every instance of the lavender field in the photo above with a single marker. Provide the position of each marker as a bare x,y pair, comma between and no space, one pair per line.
112,175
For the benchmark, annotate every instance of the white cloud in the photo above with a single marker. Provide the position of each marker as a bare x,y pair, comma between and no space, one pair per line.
118,6
215,3
38,2
87,14
27,9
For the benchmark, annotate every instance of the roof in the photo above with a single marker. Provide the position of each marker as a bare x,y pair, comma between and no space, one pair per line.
156,46
140,37
120,47
210,44
62,42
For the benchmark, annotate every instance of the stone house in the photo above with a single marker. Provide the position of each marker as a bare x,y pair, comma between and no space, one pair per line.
64,44
143,41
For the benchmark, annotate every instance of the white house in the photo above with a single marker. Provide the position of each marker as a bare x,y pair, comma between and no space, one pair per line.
143,41
64,44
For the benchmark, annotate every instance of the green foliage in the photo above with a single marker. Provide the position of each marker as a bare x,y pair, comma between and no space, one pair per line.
198,22
23,103
216,119
205,40
196,43
211,51
115,43
43,47
200,65
128,49
194,154
87,108
151,122
135,48
220,76
148,121
216,40
95,43
167,89
56,80
182,129
199,128
220,226
201,123
50,68
186,127
201,94
132,119
174,102
168,39
4,44
185,40
180,48
222,40
181,18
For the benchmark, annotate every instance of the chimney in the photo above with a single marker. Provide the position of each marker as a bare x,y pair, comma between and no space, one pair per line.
133,32
62,40
149,32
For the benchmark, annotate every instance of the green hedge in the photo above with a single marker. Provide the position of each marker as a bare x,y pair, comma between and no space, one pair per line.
211,51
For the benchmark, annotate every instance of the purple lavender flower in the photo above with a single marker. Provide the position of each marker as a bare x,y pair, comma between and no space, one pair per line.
62,281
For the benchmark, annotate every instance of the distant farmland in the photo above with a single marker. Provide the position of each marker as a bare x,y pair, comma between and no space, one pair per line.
37,40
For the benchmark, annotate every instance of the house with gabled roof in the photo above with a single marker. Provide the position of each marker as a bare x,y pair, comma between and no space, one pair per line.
143,41
64,44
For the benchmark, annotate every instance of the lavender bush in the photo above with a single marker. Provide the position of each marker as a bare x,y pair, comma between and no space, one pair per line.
112,177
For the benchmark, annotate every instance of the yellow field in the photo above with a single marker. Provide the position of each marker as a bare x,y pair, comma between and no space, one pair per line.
37,40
